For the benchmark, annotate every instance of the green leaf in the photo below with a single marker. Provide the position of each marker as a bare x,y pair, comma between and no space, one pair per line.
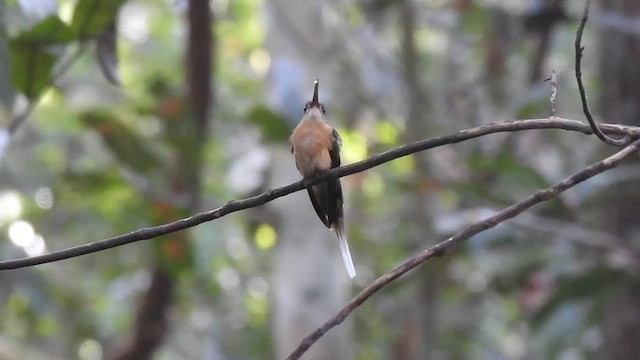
30,68
6,86
50,30
92,17
31,59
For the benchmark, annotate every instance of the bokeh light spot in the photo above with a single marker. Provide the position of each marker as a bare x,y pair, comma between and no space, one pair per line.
260,61
4,139
65,11
44,198
237,247
265,237
386,133
373,185
10,206
134,23
228,279
36,246
354,146
21,233
90,350
258,309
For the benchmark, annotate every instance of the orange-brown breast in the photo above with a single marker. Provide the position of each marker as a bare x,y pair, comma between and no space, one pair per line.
311,141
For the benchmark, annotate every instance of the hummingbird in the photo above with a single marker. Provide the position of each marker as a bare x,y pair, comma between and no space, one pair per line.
316,148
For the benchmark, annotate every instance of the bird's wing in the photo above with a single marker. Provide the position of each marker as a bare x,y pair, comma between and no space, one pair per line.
335,215
334,151
334,189
318,196
326,197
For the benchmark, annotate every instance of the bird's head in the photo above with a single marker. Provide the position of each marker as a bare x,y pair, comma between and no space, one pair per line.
313,106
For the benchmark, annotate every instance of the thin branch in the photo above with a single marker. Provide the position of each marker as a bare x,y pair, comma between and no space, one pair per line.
237,205
583,95
471,230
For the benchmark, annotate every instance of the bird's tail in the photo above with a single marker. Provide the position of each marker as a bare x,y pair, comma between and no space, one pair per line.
344,249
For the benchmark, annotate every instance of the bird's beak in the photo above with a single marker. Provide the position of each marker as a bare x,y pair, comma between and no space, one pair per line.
314,100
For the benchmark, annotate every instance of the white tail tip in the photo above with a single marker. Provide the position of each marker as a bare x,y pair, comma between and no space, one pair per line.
346,255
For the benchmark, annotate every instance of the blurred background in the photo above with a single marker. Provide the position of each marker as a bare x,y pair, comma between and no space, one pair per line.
117,115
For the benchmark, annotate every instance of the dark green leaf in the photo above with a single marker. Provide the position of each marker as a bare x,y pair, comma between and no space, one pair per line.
30,68
6,87
92,17
51,30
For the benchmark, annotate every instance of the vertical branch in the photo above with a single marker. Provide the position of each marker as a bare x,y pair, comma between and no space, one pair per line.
583,93
199,64
619,79
151,319
199,59
419,316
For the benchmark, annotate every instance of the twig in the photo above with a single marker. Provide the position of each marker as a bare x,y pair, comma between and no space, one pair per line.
583,95
233,206
471,230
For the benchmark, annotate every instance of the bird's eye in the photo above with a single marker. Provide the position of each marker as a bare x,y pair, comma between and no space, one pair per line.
323,111
305,109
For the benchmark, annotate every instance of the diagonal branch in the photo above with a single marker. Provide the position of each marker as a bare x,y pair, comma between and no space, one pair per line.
237,205
465,234
583,94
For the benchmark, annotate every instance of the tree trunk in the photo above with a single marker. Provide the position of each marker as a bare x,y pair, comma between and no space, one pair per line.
620,103
416,338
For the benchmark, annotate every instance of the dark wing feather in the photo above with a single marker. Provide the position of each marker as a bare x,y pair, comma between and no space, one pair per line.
334,189
318,195
334,152
326,197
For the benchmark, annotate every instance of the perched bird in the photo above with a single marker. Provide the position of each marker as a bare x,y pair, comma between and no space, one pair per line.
316,148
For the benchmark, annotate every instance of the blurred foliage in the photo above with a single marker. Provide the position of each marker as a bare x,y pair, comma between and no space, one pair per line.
95,161
127,146
273,127
32,70
91,17
33,51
